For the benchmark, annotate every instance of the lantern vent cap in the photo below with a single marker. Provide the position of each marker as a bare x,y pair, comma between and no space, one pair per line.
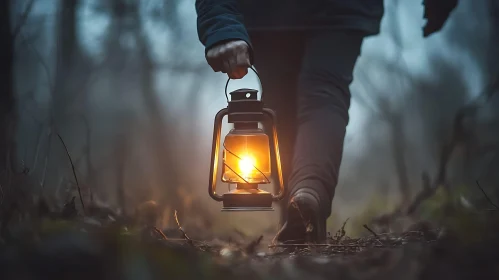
244,94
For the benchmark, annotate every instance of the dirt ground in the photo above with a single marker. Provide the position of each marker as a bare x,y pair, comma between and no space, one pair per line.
89,250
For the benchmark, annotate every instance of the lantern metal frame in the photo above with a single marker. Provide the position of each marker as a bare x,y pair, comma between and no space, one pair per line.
245,110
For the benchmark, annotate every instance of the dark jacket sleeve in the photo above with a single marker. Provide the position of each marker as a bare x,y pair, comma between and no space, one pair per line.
218,21
436,13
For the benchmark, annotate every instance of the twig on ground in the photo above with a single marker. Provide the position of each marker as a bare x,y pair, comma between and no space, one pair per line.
160,233
276,236
74,172
329,245
341,232
251,248
182,239
182,230
486,196
374,233
371,231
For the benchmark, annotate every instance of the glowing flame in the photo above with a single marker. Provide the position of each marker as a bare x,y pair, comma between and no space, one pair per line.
246,165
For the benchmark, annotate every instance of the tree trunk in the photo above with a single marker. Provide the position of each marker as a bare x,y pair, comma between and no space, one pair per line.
126,19
121,153
493,67
398,139
65,42
8,114
162,133
66,48
395,122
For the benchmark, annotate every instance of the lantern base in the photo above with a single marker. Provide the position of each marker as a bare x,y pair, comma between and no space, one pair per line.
247,200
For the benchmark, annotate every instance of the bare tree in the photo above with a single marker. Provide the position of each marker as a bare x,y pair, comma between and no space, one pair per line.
162,130
7,101
395,121
66,44
121,151
69,86
126,20
384,109
66,60
9,197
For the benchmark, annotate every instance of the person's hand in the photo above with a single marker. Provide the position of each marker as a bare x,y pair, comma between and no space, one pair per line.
231,57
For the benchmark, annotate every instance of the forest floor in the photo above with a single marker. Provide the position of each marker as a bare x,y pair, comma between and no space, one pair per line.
68,246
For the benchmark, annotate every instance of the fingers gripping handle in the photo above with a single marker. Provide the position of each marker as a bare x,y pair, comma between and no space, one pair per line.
259,81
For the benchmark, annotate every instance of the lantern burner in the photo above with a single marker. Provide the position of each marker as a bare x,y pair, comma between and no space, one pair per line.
247,197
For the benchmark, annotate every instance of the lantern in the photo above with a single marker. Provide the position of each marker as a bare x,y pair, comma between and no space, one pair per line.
246,154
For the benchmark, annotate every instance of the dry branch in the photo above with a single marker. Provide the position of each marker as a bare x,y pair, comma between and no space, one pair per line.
459,136
328,245
251,248
341,232
44,66
160,232
74,172
182,230
486,196
45,164
22,19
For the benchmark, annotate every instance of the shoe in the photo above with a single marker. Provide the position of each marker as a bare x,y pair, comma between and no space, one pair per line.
305,222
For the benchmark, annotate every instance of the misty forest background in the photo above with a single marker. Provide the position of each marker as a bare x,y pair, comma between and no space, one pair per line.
126,86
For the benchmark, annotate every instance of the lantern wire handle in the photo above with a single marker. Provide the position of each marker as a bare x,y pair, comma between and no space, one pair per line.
259,81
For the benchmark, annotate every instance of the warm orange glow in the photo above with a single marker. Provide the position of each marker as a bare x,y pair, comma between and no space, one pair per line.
246,157
247,166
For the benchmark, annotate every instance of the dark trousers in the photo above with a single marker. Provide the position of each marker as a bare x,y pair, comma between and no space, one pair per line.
305,79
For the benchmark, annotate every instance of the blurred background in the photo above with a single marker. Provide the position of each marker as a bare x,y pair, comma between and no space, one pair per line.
126,86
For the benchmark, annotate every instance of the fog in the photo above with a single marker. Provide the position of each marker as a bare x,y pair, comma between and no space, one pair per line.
134,101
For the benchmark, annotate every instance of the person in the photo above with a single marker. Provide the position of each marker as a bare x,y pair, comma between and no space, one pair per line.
305,53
